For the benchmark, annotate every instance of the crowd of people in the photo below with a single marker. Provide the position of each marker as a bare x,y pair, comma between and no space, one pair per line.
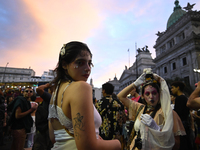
147,114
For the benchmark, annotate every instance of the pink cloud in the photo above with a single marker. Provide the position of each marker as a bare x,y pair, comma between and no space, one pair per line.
59,22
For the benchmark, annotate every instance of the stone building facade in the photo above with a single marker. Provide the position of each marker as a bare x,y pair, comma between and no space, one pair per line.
143,60
129,75
9,74
178,48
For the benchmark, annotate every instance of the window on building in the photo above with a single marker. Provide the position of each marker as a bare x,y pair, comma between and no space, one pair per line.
162,49
184,61
182,35
187,80
171,43
21,78
165,69
174,66
140,71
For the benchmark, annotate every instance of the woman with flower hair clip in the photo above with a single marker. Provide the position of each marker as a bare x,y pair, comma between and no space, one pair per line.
73,120
156,125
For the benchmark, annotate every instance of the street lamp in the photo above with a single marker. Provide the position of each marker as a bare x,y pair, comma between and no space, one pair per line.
197,70
4,73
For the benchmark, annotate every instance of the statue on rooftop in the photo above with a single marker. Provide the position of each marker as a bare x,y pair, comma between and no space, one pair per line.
146,48
159,33
139,50
143,49
189,7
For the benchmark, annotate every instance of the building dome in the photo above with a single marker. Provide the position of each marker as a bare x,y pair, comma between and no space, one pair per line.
178,13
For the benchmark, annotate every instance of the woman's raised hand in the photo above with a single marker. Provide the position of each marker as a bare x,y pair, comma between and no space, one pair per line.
139,80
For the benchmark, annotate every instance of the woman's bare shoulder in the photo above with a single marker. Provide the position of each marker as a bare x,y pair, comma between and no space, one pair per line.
81,84
80,93
80,89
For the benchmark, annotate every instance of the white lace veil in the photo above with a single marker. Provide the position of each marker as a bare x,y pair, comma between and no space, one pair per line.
160,140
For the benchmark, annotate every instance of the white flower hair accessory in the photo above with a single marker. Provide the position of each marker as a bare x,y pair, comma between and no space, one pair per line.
62,51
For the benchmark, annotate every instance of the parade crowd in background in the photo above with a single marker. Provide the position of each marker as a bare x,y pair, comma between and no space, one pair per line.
150,113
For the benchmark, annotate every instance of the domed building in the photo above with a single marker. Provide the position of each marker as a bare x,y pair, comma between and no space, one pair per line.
177,50
176,15
178,47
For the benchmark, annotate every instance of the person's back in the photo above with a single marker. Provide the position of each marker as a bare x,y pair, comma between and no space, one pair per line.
60,121
111,110
180,107
180,101
112,113
64,119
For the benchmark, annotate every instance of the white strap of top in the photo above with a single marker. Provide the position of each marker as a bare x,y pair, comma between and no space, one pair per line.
63,93
54,94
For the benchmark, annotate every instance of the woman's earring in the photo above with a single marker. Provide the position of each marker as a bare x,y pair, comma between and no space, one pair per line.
75,67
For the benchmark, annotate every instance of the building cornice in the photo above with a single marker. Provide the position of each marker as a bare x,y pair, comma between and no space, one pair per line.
168,52
189,16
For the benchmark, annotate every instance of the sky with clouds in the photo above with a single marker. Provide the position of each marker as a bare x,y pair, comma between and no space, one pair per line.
33,31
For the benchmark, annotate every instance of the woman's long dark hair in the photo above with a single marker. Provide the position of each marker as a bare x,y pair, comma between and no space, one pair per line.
72,50
69,53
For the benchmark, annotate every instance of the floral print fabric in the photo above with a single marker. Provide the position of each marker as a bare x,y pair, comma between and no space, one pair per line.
112,114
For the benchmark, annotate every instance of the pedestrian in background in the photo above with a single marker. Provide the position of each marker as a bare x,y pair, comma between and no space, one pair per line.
112,113
187,141
41,139
21,120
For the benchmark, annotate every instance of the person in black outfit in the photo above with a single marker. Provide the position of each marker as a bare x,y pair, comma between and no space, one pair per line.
183,111
41,138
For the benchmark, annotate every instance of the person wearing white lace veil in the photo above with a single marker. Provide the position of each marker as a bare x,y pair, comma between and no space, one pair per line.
160,132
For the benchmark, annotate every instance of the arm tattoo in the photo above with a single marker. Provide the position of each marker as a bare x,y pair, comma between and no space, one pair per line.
78,124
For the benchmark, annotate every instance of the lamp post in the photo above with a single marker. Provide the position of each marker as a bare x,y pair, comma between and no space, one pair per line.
197,70
4,74
136,60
